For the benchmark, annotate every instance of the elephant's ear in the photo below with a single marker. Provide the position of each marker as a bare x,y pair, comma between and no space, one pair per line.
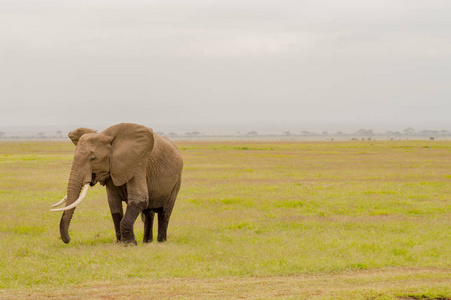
130,146
77,133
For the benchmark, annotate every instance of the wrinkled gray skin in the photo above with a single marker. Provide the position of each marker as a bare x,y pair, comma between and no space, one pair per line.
136,166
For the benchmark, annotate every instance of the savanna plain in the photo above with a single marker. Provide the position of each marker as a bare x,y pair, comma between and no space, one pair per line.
291,220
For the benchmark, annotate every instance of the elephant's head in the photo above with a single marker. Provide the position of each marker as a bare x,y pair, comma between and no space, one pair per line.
114,153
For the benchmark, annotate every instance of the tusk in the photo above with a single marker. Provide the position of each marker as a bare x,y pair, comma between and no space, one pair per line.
83,194
61,202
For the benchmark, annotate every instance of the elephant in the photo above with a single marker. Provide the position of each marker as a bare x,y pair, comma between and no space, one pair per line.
137,166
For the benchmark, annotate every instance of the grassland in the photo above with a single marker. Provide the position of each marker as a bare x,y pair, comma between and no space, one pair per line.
313,220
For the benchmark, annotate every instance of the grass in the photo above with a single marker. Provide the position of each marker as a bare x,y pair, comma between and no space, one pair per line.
362,220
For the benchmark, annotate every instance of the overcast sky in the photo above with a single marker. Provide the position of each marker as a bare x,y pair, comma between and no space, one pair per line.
206,64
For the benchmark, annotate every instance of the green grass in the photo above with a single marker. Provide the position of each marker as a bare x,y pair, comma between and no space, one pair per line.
371,219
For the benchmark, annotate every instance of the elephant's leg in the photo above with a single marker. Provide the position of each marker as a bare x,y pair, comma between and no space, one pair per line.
127,235
148,216
138,199
163,221
165,214
115,197
117,218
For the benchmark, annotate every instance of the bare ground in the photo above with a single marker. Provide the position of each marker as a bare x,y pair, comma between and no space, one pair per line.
394,283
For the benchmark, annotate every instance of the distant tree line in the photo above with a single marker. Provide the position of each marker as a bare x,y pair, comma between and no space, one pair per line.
361,133
39,135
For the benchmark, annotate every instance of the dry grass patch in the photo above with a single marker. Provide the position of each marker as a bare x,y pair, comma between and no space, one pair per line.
393,283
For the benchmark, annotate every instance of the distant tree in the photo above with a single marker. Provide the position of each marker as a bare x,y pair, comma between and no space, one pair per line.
252,133
409,131
307,133
393,133
59,133
1,134
429,132
192,134
444,132
364,132
173,134
287,133
41,135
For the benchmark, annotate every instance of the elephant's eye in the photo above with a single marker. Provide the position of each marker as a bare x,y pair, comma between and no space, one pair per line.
93,158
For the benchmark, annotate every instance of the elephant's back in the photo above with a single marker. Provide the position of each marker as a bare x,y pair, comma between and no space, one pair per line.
167,152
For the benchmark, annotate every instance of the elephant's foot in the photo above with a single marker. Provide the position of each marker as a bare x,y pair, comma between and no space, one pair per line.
162,237
127,237
129,242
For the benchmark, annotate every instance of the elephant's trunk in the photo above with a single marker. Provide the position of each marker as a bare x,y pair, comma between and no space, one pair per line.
64,225
73,190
